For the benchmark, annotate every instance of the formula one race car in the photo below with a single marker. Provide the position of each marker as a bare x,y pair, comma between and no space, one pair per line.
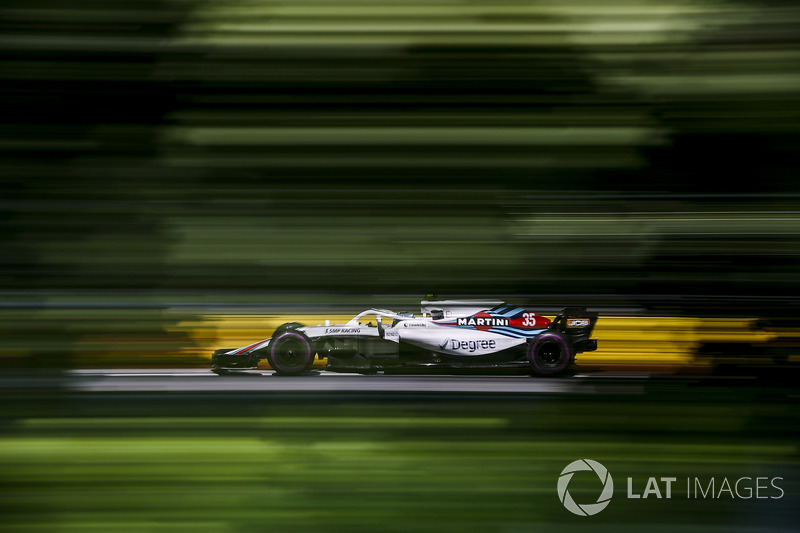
466,334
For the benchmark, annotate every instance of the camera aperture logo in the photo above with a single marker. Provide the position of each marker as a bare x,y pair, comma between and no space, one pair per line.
666,487
586,509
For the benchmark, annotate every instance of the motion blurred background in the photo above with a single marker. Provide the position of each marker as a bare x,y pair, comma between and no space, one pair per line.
165,159
173,172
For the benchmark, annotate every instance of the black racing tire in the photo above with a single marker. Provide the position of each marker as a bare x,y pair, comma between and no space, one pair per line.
286,327
263,353
290,353
549,354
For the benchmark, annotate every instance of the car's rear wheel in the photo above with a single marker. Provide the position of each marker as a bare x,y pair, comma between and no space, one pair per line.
549,354
290,353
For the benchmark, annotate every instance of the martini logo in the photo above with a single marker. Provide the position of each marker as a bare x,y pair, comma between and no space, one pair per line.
482,321
586,509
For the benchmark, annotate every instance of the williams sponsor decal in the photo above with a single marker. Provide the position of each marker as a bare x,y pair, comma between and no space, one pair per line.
482,321
577,322
468,346
342,330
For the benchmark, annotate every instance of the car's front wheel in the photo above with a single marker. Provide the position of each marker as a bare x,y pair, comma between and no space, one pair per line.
290,353
549,354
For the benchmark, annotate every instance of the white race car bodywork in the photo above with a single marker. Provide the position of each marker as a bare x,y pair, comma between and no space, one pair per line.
448,333
444,339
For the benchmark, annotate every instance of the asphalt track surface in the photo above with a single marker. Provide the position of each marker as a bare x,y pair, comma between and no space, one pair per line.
323,382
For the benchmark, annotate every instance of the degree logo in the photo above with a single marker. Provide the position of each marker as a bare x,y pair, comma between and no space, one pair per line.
587,509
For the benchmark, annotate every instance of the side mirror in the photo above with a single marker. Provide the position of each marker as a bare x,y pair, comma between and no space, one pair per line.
381,333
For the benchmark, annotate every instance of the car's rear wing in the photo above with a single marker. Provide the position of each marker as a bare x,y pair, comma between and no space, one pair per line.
577,324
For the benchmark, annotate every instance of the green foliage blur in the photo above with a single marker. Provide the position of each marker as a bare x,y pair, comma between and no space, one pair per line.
606,150
225,462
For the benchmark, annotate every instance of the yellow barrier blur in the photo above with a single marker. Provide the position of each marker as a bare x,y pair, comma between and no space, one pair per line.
664,340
